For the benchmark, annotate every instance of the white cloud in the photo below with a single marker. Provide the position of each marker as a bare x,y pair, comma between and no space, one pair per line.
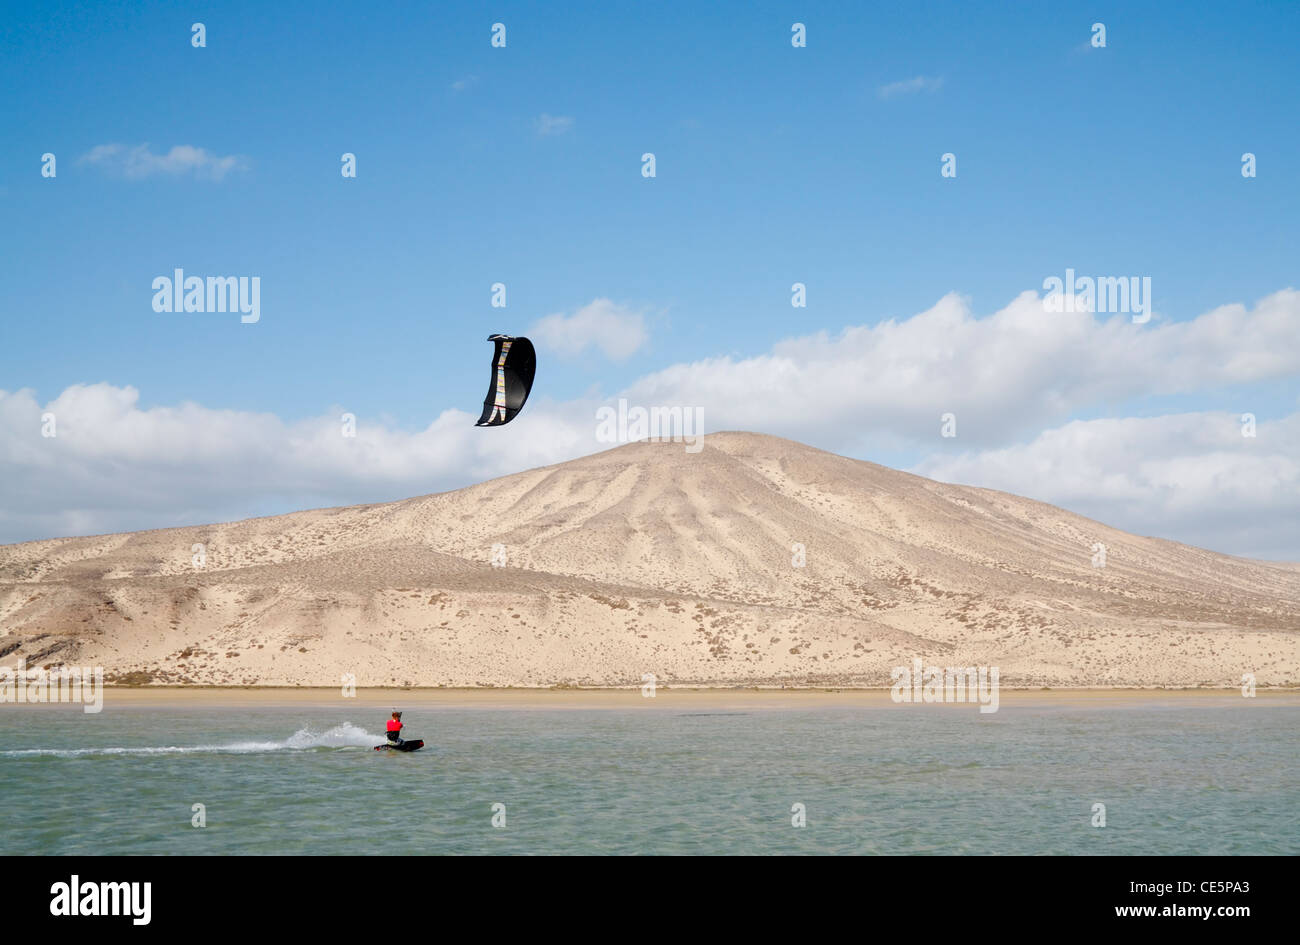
548,125
615,329
139,161
113,466
1193,475
1020,372
1004,376
460,85
911,86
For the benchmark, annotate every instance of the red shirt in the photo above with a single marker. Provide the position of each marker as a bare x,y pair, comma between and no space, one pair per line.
394,725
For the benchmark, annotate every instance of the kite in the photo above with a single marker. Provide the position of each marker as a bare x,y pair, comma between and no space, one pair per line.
514,363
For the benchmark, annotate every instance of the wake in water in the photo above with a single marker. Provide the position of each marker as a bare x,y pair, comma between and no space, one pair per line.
346,735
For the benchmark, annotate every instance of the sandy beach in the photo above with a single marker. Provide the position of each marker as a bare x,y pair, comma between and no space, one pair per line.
668,698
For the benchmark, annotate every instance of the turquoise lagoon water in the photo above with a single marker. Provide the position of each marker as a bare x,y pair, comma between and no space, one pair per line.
873,780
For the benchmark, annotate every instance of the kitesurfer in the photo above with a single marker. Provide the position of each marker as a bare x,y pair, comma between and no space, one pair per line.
395,728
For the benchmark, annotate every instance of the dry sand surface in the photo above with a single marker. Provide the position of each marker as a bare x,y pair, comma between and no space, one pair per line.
379,702
649,559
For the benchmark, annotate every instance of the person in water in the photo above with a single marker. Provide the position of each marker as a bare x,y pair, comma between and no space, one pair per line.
395,728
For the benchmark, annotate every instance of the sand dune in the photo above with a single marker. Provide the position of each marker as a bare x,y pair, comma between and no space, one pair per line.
650,559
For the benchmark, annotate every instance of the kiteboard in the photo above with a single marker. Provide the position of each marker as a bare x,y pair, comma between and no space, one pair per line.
411,744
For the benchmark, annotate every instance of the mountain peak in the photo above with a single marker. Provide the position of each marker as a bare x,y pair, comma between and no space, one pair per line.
755,560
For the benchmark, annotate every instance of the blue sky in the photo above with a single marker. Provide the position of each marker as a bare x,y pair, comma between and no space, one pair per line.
774,165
